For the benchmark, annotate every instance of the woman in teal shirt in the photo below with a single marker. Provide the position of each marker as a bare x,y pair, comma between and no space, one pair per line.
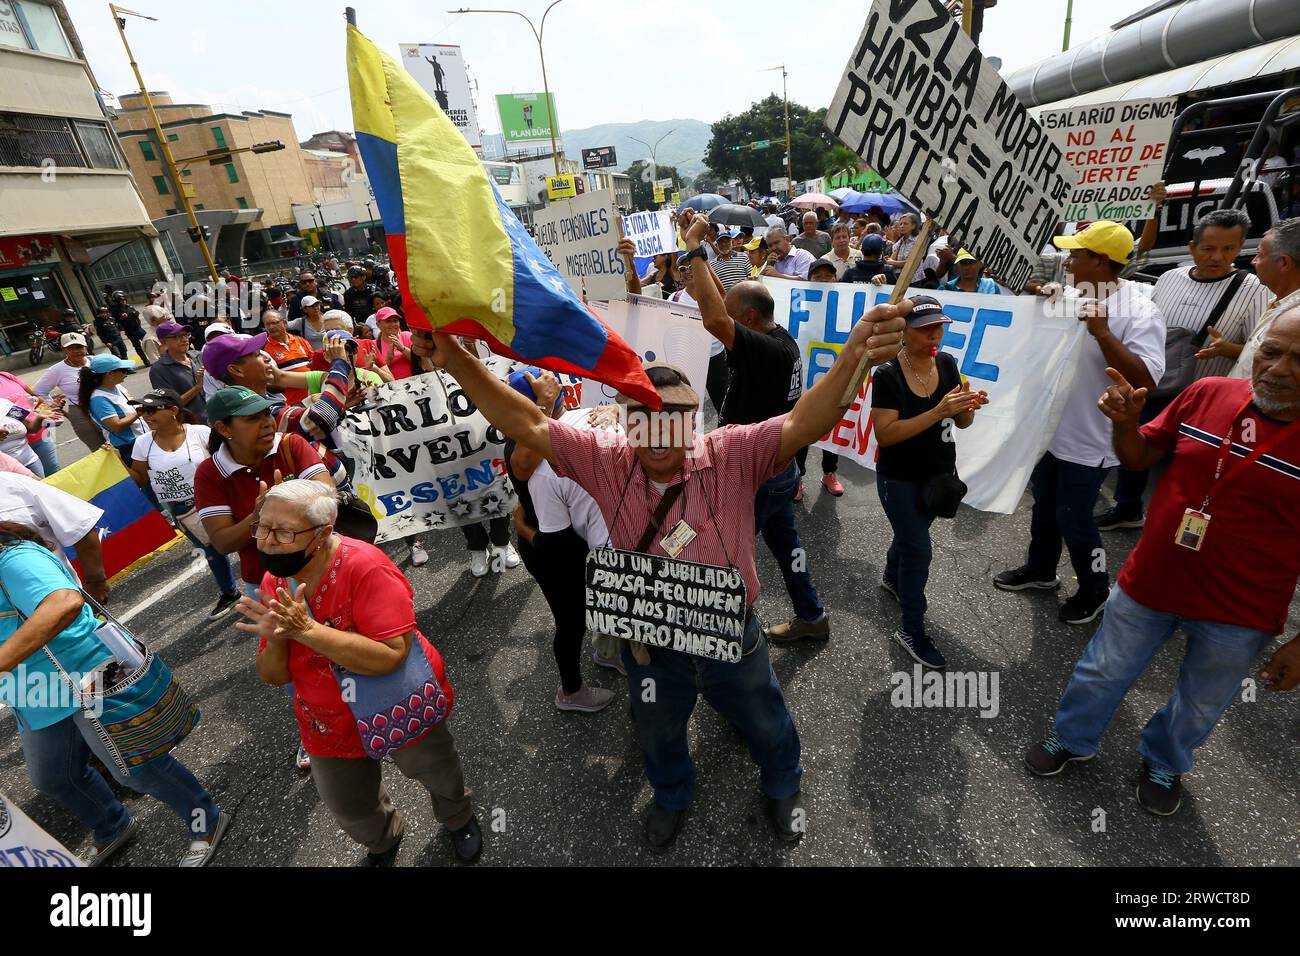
42,609
106,401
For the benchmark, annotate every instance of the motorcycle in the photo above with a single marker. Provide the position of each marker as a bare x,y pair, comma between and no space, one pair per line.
41,340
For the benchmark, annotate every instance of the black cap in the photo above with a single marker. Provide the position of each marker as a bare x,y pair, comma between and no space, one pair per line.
926,310
161,398
821,264
355,271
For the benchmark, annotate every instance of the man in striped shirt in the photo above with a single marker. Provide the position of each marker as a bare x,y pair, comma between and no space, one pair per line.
717,477
731,265
1187,298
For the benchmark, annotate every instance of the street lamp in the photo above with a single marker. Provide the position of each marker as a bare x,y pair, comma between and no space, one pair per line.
654,156
546,90
329,244
789,158
370,222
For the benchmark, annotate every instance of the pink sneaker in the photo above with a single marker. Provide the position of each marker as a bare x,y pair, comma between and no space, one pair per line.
798,492
831,482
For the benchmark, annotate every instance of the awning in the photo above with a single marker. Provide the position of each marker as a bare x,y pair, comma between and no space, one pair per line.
1267,59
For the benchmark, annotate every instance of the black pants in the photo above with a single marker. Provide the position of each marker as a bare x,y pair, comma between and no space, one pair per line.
477,536
558,562
830,461
117,346
718,379
138,345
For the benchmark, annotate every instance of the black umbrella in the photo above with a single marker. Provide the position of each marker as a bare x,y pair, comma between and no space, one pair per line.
734,214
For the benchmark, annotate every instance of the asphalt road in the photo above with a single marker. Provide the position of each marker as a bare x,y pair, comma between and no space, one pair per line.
883,785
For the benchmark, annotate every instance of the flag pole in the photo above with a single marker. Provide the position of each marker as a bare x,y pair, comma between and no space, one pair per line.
350,15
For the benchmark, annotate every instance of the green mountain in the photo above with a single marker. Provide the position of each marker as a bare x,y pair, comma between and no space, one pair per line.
683,147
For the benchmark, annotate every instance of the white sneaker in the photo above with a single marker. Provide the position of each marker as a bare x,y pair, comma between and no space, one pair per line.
509,556
587,700
418,555
478,563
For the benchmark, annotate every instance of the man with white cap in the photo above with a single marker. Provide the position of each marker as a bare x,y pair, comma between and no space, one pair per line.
66,377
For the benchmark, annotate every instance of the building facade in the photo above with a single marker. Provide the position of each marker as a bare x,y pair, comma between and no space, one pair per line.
69,199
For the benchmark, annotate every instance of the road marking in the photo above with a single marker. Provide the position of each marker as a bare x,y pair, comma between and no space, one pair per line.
151,600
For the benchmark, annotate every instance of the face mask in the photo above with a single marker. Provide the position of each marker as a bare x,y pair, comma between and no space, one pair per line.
286,564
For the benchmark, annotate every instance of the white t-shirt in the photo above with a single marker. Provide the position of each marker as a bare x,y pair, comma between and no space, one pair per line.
172,472
1246,361
1186,302
65,378
1084,433
561,502
61,518
13,435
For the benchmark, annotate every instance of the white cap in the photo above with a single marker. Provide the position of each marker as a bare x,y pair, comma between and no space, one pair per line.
309,300
222,328
337,314
71,338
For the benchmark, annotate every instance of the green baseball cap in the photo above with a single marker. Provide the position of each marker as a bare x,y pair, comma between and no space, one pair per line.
234,401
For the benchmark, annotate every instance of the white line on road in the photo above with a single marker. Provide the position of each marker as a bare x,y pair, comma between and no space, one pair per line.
195,568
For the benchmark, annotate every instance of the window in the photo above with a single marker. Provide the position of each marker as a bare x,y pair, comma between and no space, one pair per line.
172,137
186,172
160,184
199,206
173,212
243,203
11,31
97,144
219,136
130,260
34,26
32,140
230,171
146,148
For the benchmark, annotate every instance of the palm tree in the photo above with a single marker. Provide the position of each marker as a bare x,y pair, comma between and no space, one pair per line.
841,161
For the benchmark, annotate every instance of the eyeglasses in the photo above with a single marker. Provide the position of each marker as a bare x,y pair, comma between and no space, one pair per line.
280,535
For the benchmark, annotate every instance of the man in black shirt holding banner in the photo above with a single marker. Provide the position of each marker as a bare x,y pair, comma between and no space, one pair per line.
766,381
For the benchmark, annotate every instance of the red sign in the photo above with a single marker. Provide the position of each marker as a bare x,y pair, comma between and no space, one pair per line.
19,251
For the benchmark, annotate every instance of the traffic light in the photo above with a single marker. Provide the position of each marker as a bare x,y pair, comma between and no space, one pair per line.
195,231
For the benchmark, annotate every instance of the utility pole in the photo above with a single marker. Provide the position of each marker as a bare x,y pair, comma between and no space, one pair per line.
1069,15
119,18
789,153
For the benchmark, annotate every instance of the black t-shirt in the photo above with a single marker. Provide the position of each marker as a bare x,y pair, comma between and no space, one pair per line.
864,270
521,487
766,376
925,455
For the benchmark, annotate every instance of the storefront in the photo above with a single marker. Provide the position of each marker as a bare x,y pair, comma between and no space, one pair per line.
32,287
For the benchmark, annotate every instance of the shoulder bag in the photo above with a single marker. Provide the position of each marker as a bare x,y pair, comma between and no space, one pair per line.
1181,345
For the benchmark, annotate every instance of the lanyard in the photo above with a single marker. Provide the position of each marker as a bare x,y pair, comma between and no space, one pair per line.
1225,449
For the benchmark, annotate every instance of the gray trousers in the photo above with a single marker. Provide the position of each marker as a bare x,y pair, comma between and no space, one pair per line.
91,435
353,789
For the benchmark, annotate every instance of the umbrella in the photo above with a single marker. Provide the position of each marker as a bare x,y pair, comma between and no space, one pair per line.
813,200
839,194
732,214
704,202
889,203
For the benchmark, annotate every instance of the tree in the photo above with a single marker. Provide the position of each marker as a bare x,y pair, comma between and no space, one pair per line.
709,181
839,160
643,176
765,120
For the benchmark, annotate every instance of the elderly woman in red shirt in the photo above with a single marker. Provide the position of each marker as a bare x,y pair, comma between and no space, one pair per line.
362,691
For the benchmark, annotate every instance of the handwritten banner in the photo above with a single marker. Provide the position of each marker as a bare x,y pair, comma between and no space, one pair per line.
653,233
580,237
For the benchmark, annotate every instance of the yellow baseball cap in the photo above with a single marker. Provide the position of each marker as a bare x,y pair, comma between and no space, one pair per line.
964,256
1103,237
754,243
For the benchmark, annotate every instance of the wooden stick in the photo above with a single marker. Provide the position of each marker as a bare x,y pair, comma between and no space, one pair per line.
914,260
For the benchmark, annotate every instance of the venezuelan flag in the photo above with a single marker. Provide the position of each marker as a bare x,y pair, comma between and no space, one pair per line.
464,261
131,528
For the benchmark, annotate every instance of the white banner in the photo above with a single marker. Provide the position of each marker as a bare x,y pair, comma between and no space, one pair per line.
653,233
580,237
440,69
24,844
1118,152
426,458
1013,347
924,109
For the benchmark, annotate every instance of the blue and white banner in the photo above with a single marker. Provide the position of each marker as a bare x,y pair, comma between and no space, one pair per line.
1019,349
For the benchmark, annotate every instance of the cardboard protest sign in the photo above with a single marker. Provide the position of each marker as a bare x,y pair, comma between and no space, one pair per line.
663,603
24,844
653,233
426,458
1020,349
580,236
924,109
1118,152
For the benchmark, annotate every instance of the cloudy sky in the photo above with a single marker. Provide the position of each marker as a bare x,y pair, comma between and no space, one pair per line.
608,61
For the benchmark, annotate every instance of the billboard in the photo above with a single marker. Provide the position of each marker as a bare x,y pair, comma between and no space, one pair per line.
440,69
526,119
599,157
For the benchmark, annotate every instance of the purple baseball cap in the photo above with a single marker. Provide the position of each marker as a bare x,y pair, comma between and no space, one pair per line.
167,329
224,350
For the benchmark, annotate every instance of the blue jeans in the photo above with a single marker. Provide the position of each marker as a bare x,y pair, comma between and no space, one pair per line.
47,452
746,693
58,764
218,563
907,565
1065,495
1217,659
774,518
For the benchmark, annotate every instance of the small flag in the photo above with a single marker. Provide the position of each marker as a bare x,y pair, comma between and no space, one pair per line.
464,261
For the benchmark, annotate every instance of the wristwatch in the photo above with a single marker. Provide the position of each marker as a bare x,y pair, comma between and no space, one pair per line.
696,253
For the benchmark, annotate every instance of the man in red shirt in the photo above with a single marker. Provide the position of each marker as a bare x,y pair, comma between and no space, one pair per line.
1217,557
691,499
291,353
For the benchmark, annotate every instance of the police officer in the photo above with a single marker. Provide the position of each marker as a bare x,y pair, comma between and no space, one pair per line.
128,320
356,301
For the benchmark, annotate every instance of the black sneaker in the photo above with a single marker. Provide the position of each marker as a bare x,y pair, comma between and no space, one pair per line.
1115,519
387,858
1083,607
467,842
224,604
1022,579
787,817
661,827
921,648
891,588
1159,791
1049,758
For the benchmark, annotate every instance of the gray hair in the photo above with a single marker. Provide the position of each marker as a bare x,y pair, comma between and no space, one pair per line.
810,212
1221,219
318,501
916,220
1286,240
